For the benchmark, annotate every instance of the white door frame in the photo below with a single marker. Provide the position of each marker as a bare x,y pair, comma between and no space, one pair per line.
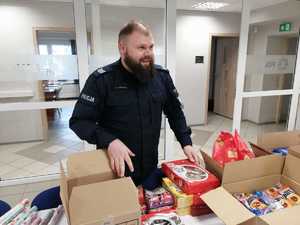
170,53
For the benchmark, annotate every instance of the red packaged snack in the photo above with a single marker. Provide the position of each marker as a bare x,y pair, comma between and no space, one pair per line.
229,148
161,209
141,195
224,149
158,197
189,177
288,193
242,149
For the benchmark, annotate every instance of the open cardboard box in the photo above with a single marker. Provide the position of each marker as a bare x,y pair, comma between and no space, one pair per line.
252,175
214,167
91,196
289,139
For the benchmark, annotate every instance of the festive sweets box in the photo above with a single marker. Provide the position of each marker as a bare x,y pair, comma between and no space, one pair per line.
249,176
189,177
182,199
194,210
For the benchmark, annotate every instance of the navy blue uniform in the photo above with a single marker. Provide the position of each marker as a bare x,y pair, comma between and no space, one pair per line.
114,104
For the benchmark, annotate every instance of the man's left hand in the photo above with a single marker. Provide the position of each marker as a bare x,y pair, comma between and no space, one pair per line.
192,154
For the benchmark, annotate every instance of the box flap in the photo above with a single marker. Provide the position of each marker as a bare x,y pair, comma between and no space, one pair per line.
254,221
295,150
259,151
212,165
251,185
226,207
253,168
101,202
292,167
289,216
278,139
88,164
64,195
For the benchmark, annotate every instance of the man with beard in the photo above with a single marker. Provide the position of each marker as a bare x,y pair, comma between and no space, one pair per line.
120,107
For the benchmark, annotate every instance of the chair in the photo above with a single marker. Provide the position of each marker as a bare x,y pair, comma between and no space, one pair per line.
47,199
4,207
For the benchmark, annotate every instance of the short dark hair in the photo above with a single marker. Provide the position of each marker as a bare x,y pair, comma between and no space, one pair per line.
132,26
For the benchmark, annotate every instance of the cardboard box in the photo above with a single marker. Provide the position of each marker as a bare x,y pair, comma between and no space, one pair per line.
251,175
215,168
91,197
268,141
288,139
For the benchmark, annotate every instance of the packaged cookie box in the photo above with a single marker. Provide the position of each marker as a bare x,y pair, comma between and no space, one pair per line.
182,199
189,177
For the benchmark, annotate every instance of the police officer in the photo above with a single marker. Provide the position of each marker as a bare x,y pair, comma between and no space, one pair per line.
120,107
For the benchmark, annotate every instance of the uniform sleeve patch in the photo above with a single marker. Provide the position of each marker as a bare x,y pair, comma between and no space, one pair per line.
88,98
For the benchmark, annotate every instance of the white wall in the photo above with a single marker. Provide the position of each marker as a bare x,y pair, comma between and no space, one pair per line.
17,18
193,35
113,18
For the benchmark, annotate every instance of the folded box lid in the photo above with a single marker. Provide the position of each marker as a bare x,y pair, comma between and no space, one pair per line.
291,168
295,150
89,163
226,207
289,216
252,168
107,202
278,139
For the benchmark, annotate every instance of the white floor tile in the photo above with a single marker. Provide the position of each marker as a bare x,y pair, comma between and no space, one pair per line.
8,157
55,149
12,200
22,162
6,169
36,167
12,190
17,173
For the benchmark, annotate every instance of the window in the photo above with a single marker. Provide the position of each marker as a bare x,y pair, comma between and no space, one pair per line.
61,50
43,50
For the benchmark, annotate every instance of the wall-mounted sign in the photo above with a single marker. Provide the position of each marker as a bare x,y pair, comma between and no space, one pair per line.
199,59
285,27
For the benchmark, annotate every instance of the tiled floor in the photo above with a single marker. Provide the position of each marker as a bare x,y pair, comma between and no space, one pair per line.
40,158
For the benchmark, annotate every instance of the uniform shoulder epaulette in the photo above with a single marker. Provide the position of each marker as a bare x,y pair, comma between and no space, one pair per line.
102,70
159,67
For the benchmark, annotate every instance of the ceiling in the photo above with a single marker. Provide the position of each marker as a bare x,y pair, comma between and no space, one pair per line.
234,5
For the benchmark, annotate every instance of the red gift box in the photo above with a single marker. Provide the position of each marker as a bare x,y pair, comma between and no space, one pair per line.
197,200
200,210
190,177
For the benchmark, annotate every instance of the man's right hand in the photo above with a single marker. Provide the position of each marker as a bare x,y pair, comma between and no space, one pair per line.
118,154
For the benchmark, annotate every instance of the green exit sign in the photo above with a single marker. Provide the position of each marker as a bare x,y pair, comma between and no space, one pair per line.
285,27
